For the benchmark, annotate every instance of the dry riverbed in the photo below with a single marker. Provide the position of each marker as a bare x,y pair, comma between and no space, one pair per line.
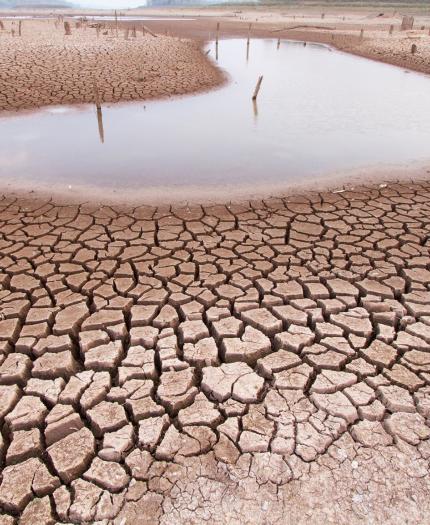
256,363
263,362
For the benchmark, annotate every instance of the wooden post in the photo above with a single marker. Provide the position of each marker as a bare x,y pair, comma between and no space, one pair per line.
414,49
96,95
249,32
407,23
133,32
361,34
1,25
149,31
19,27
100,124
67,30
391,29
257,88
278,44
217,33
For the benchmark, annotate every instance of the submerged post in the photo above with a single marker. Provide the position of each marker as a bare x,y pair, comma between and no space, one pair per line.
257,88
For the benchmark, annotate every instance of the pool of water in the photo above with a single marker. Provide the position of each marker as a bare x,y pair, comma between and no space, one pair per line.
319,111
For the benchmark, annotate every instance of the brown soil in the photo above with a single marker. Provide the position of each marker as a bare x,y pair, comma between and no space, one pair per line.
44,66
257,363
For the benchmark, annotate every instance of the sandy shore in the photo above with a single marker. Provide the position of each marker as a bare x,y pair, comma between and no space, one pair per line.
258,363
51,68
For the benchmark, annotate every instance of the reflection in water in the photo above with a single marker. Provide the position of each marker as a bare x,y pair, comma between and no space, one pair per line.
255,107
318,111
247,51
100,123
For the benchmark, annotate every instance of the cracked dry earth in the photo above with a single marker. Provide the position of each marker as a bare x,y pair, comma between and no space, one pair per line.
257,363
45,67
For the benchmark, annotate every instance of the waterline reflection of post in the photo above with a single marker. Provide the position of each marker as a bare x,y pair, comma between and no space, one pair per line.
100,124
255,108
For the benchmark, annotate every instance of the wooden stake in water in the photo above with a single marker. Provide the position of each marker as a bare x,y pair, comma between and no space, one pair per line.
249,33
217,33
257,88
100,124
278,44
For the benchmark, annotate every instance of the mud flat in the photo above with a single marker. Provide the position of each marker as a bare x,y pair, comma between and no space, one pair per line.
46,67
249,363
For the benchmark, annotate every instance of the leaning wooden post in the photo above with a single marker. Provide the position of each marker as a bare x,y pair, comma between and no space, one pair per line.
257,88
96,96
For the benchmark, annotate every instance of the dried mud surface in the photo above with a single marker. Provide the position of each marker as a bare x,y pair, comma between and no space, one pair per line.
46,67
258,363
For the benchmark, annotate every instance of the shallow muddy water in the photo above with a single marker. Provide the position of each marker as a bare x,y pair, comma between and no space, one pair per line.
319,111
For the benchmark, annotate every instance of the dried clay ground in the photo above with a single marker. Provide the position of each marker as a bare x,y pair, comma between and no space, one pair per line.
257,363
262,363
